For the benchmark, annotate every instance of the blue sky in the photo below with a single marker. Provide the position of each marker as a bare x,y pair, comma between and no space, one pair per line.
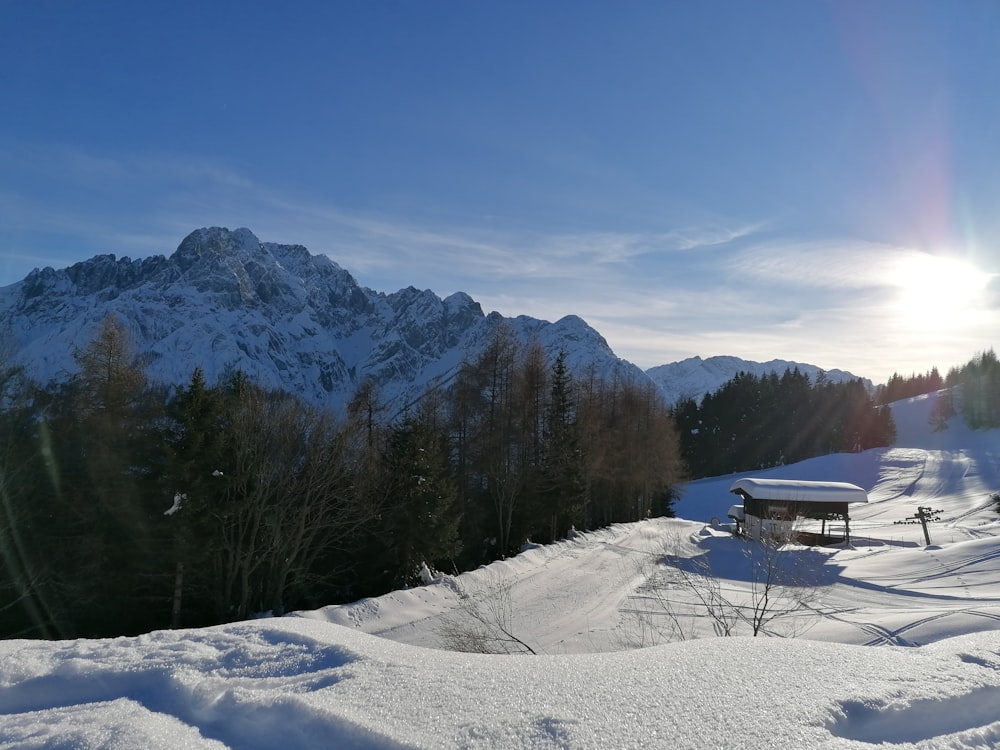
808,180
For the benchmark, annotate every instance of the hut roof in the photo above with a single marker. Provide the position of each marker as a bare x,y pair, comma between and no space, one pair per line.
799,490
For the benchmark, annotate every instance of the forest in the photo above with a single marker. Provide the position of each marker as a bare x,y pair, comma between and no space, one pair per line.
129,506
972,390
753,423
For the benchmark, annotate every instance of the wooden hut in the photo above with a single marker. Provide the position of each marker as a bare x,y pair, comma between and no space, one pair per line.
771,508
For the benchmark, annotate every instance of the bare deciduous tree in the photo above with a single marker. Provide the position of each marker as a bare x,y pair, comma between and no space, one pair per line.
482,623
111,376
289,499
777,596
266,500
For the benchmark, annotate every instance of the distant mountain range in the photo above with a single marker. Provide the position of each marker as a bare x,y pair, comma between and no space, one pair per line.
695,377
225,301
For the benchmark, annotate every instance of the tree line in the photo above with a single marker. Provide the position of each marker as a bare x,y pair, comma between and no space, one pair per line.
977,385
898,387
754,422
973,390
127,505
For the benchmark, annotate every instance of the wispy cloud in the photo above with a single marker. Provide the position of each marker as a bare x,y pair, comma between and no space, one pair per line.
824,263
148,203
657,296
392,246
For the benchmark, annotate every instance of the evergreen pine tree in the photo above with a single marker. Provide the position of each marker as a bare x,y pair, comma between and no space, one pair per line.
563,486
421,522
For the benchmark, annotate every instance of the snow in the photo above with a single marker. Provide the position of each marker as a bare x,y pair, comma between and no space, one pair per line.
900,650
803,491
179,498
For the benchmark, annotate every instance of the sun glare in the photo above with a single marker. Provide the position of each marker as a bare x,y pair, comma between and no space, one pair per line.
938,291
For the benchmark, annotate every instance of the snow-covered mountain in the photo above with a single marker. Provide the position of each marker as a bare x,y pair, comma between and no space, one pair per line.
695,377
225,301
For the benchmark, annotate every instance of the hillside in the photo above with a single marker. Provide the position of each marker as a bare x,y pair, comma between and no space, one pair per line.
593,578
899,647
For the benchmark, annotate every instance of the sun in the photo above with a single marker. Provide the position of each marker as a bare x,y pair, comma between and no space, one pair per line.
938,291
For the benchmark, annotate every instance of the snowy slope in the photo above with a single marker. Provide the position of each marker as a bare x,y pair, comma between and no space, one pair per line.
570,595
899,649
226,301
694,377
295,683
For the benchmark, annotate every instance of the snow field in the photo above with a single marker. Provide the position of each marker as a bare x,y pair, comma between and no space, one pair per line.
899,649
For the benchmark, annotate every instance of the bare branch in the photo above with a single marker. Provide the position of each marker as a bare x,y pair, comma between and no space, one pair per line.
484,621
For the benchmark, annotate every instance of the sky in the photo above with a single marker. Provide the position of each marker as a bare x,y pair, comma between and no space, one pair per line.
813,181
890,642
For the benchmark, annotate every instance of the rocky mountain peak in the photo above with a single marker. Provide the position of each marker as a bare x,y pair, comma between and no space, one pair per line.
225,301
215,246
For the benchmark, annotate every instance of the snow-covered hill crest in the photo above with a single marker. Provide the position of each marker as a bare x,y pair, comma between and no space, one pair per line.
694,377
225,301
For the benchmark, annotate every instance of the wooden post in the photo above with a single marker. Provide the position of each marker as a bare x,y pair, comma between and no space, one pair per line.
922,515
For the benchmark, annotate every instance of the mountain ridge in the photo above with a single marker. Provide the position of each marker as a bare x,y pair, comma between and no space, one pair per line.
225,301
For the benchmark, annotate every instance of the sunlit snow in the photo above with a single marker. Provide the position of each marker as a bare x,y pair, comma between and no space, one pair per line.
901,647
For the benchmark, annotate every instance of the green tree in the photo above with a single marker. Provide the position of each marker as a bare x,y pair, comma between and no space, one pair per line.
563,477
88,452
196,439
755,422
421,522
112,465
980,389
28,580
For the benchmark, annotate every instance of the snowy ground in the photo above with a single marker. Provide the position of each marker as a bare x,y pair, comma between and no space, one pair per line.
362,675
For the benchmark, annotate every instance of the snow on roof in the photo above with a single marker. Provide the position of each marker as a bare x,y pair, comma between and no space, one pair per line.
800,490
